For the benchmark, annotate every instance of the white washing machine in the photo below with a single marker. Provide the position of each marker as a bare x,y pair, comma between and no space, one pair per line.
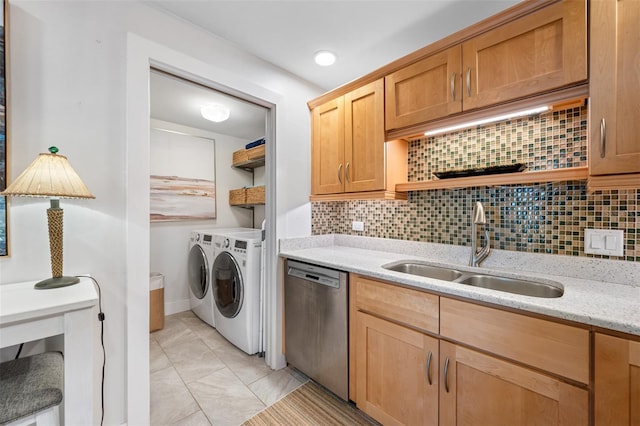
235,277
201,256
200,262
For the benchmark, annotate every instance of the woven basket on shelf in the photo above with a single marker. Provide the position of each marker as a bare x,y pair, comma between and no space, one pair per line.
238,196
255,195
240,156
256,152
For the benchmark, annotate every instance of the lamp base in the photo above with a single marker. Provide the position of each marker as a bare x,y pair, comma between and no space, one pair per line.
56,282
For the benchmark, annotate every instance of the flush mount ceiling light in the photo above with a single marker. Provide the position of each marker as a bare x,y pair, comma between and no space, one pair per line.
215,112
325,58
493,119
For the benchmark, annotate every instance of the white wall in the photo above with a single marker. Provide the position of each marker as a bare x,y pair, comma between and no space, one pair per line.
169,241
67,86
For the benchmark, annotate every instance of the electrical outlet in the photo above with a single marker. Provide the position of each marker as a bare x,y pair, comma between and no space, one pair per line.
608,242
357,226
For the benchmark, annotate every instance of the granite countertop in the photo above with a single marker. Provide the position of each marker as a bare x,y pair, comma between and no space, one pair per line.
602,293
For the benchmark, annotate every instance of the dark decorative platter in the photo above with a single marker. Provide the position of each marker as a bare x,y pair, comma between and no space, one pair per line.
481,171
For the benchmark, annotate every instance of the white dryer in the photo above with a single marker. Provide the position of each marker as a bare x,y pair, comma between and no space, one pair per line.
199,264
235,277
201,256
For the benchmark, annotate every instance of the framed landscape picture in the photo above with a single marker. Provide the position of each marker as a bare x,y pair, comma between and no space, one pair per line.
182,177
3,138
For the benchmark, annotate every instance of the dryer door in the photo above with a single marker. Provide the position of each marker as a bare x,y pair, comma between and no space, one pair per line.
228,287
198,272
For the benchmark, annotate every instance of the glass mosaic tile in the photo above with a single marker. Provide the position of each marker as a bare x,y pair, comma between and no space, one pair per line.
538,218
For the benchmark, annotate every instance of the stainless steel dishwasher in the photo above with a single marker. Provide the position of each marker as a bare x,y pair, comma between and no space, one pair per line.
316,324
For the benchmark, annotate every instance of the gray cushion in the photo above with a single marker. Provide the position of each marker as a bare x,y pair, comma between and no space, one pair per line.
29,385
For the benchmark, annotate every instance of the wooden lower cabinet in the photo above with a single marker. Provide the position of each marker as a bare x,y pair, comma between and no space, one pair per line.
616,381
397,372
478,389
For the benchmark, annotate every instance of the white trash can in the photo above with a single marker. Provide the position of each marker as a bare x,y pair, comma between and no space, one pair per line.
156,301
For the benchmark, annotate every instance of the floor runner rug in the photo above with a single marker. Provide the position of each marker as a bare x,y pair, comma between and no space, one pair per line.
309,405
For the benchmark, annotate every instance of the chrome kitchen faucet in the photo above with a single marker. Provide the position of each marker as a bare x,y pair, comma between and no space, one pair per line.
479,217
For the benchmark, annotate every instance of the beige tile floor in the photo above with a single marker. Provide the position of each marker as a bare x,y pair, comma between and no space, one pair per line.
199,378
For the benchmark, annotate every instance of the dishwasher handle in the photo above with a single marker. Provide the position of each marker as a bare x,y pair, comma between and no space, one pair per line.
315,274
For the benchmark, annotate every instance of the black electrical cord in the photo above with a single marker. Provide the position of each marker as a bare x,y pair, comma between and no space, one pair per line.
104,355
19,350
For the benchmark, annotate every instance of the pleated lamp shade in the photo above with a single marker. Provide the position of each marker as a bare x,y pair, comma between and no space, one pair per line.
49,175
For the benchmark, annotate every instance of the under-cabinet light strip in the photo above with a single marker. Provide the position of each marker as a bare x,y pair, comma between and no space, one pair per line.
494,119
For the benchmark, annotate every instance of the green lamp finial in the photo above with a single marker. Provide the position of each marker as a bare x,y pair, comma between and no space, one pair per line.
53,149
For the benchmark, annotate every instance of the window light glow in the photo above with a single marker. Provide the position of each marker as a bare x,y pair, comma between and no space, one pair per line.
494,119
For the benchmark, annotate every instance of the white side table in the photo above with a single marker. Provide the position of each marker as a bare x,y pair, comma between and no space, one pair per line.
27,314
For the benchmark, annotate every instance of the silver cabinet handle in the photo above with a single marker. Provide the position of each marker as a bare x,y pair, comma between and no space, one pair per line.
429,367
340,173
346,173
603,137
453,86
446,374
469,81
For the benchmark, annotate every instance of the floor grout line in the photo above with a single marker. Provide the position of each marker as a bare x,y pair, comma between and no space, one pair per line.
226,360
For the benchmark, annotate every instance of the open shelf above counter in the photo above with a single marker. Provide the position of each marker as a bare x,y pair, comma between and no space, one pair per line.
556,175
369,195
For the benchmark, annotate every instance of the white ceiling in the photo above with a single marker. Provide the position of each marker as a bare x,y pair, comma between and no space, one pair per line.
178,101
365,35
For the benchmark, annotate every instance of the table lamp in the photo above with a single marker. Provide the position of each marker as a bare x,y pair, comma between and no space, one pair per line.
51,175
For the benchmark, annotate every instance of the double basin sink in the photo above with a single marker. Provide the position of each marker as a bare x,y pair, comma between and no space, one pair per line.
493,282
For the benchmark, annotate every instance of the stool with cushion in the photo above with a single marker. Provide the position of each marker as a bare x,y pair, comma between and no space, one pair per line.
31,390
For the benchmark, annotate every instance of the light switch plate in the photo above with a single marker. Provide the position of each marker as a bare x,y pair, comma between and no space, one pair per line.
608,242
357,226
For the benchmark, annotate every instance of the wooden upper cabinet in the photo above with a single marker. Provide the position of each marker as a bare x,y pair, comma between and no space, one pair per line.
616,381
364,138
615,87
425,90
540,52
349,156
328,148
478,389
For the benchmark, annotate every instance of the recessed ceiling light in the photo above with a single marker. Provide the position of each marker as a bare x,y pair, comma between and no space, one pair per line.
325,58
215,112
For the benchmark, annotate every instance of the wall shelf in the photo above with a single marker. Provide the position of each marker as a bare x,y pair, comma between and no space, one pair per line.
249,159
370,195
247,197
556,175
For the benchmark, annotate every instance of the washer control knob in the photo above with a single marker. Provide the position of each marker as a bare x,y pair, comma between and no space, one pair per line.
197,237
226,243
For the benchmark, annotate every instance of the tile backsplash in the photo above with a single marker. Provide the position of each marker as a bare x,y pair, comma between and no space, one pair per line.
541,218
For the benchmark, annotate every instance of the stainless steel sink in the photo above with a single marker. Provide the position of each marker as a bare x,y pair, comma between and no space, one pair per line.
513,285
500,283
424,270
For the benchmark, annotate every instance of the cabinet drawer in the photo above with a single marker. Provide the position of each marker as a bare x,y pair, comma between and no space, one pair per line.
412,307
557,348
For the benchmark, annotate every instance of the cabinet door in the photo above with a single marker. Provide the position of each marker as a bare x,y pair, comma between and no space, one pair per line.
477,390
617,381
397,377
614,87
364,138
542,51
327,174
425,90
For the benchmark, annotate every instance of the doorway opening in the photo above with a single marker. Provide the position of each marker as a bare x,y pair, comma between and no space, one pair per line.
142,56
